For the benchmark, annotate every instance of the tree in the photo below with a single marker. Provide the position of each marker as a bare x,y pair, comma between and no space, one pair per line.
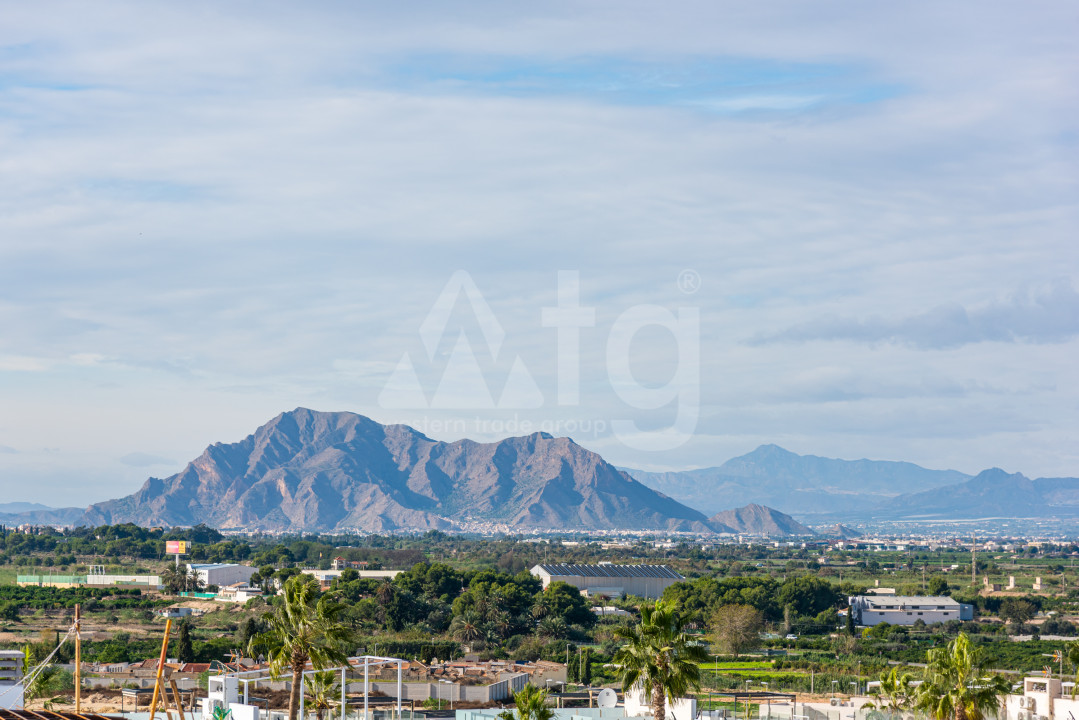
322,687
897,691
586,667
467,628
552,627
1072,650
185,652
808,595
938,586
955,688
1017,611
175,578
303,628
531,704
850,621
50,680
565,601
658,658
736,628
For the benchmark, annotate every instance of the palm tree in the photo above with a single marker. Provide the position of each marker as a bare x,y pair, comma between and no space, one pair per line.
540,608
955,687
552,627
896,691
502,624
1072,650
322,688
531,704
303,628
658,657
468,628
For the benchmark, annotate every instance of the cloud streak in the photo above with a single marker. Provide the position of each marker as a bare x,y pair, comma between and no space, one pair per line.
1037,315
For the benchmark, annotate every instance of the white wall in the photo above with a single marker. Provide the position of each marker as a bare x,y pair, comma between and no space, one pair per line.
908,617
638,702
11,697
226,575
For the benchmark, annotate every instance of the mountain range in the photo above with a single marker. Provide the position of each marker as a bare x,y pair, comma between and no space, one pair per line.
800,484
21,513
991,493
318,472
308,471
815,488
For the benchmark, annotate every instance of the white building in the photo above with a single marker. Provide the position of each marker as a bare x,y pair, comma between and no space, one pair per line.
238,593
1042,697
174,612
907,609
221,574
325,577
648,581
11,688
100,579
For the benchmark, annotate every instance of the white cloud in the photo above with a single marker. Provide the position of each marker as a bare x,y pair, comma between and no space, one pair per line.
23,363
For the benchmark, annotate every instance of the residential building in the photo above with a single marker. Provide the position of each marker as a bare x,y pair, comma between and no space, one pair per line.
1042,697
238,593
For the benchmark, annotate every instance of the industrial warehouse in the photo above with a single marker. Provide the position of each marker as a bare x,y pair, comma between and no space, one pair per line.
647,581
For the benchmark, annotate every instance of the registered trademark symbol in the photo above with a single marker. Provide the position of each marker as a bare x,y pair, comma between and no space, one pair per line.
689,281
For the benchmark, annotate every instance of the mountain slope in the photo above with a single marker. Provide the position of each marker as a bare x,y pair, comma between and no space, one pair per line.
839,531
317,471
41,515
759,520
992,493
791,483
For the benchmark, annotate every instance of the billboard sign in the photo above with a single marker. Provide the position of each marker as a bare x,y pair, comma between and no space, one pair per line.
176,547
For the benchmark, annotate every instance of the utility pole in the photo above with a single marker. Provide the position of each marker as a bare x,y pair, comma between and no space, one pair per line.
78,660
973,561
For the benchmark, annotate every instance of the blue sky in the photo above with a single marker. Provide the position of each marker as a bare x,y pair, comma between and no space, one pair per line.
212,214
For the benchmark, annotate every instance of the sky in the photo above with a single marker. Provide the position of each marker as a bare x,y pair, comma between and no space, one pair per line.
672,231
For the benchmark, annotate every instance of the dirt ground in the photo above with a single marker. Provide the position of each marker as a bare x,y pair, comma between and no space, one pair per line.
95,701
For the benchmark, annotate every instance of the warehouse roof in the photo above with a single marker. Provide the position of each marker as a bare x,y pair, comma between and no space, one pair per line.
609,570
894,602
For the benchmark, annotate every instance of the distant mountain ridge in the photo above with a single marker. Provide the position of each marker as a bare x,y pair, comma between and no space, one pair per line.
759,520
316,472
38,514
809,486
991,493
799,484
839,531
